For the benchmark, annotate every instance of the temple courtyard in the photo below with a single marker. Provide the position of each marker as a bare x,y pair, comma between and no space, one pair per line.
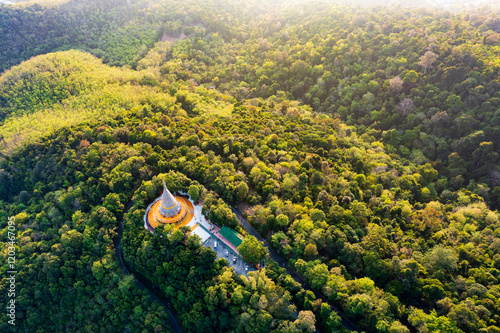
182,211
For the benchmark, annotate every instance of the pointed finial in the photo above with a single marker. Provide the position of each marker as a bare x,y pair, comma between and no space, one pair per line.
169,205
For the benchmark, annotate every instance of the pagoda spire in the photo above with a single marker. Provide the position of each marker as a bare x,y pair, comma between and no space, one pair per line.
169,205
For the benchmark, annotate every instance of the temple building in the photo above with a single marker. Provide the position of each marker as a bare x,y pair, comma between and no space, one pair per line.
168,209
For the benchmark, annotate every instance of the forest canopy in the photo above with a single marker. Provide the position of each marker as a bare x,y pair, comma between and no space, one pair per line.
361,143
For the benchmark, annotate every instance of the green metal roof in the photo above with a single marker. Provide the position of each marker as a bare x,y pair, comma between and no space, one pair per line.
231,235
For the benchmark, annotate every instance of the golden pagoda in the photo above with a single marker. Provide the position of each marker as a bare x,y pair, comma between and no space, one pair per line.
168,209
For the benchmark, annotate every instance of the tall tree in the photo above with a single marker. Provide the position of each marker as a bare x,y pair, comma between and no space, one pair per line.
252,250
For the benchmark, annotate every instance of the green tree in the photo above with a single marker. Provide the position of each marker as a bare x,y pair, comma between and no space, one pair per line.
194,192
252,250
306,321
441,259
242,191
282,221
310,251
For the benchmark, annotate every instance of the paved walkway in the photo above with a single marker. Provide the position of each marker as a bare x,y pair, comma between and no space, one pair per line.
199,217
212,229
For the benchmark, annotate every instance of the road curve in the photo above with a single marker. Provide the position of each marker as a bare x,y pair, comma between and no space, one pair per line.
251,230
117,242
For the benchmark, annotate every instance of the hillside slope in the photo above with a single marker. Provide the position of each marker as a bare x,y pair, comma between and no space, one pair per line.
361,143
425,82
342,211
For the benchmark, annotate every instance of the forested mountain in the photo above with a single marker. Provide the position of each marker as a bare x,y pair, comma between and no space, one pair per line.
362,143
426,84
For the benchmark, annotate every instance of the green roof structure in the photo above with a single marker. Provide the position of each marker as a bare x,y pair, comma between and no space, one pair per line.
231,235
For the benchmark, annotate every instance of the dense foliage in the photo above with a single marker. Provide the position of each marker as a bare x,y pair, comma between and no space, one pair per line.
361,143
108,160
66,219
423,82
118,31
105,28
208,296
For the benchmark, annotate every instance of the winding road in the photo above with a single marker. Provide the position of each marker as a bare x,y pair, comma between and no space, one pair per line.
117,242
250,229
